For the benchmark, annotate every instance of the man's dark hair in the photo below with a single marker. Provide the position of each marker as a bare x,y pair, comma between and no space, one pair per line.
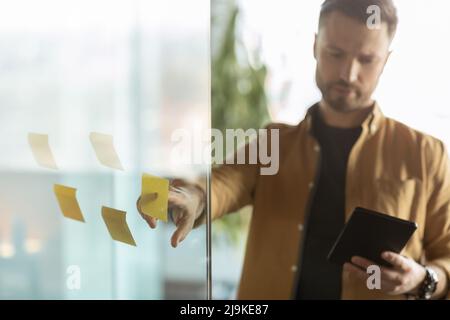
357,9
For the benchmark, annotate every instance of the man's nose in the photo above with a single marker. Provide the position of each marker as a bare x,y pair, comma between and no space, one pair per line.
349,71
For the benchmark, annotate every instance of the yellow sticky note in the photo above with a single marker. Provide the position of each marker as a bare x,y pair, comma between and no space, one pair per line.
41,150
68,202
116,223
103,145
155,208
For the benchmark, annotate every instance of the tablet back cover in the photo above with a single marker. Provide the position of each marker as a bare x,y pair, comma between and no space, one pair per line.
369,233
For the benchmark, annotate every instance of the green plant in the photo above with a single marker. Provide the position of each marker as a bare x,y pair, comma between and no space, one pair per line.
238,100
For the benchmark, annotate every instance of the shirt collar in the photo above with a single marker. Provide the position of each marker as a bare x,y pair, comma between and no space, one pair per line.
371,124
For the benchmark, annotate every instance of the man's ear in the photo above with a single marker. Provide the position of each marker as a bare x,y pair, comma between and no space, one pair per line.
315,46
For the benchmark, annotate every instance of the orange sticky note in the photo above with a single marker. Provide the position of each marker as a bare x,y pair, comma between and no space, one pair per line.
68,202
156,208
116,223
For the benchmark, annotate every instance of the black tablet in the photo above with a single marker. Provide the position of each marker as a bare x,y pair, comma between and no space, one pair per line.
368,234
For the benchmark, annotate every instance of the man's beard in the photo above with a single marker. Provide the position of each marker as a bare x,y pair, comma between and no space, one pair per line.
340,103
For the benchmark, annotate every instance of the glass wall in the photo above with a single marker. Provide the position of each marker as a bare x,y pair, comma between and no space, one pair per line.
136,70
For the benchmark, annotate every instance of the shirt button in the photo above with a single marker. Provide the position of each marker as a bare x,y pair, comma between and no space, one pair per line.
311,185
316,148
300,227
294,268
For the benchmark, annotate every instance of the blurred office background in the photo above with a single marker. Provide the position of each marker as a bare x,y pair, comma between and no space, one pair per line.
139,70
414,87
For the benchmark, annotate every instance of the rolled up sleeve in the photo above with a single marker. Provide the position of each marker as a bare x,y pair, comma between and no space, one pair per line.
232,186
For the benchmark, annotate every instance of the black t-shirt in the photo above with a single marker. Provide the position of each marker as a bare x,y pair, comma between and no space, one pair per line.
319,279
